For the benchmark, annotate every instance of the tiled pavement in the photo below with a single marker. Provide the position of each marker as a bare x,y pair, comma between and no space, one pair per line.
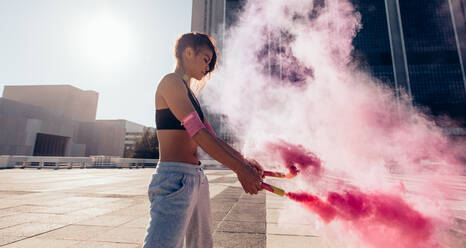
109,208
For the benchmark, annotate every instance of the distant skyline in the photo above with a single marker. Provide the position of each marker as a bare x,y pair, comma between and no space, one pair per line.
119,48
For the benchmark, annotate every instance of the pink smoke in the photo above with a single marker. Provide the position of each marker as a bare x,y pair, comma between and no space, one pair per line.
382,220
287,74
295,158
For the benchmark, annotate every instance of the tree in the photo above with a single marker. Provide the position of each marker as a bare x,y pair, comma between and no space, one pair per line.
147,146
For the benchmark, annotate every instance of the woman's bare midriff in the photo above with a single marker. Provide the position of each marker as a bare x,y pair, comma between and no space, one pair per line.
176,145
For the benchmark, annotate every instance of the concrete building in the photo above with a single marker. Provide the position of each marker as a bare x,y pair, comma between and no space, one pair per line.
63,100
133,132
214,17
208,17
56,120
420,51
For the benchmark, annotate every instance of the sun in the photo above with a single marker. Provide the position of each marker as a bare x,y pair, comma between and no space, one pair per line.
104,40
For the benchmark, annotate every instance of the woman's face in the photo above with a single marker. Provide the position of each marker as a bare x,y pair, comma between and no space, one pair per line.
198,63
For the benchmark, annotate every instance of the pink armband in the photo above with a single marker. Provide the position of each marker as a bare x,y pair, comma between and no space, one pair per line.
209,127
192,123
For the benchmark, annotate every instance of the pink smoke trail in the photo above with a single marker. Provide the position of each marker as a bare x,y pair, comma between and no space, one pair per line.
295,158
287,74
383,220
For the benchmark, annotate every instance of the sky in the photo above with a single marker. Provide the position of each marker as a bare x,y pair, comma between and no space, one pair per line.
119,48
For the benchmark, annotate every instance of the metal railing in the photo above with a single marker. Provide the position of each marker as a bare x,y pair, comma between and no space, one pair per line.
47,162
43,162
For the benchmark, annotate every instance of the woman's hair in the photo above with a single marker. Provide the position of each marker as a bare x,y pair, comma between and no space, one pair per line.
196,41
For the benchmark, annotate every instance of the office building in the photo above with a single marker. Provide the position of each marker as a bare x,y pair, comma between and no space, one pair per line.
417,50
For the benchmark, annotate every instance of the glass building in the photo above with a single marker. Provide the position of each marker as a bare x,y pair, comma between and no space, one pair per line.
436,75
420,50
372,44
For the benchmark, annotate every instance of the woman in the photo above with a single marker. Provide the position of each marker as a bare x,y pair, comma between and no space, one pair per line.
179,191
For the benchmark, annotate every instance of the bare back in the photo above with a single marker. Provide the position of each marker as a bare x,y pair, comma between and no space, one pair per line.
175,145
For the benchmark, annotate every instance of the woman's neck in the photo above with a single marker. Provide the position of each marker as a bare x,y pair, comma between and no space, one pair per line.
180,72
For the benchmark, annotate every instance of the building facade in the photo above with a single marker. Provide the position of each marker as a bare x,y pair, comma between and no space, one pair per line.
214,18
63,100
419,51
423,46
133,133
57,120
208,17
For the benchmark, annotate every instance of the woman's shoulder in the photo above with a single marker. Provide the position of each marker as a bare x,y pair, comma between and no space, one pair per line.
171,76
170,82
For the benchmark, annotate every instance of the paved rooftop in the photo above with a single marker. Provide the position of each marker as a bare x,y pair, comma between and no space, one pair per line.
109,208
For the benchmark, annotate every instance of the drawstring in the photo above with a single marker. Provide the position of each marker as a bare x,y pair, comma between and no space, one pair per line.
203,176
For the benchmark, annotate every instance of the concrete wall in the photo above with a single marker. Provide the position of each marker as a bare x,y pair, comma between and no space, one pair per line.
63,100
13,136
197,17
101,138
133,132
208,17
131,127
20,123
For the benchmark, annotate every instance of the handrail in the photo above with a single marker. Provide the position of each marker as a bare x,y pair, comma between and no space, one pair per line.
9,161
43,162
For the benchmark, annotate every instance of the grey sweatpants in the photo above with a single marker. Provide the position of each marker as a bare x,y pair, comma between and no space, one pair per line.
180,206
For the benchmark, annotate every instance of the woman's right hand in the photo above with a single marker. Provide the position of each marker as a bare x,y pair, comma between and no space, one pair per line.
254,164
250,179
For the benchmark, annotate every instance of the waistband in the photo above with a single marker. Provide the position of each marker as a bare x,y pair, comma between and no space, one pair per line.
178,167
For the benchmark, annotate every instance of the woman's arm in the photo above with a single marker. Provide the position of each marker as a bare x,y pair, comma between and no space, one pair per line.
175,94
248,176
234,152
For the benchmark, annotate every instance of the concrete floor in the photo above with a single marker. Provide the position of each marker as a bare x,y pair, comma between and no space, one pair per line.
109,208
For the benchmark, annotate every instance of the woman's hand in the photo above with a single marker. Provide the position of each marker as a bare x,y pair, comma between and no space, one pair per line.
250,179
254,164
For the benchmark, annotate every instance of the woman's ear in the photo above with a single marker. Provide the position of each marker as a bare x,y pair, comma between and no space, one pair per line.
189,52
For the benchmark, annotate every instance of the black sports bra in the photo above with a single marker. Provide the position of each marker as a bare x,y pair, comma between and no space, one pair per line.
165,120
